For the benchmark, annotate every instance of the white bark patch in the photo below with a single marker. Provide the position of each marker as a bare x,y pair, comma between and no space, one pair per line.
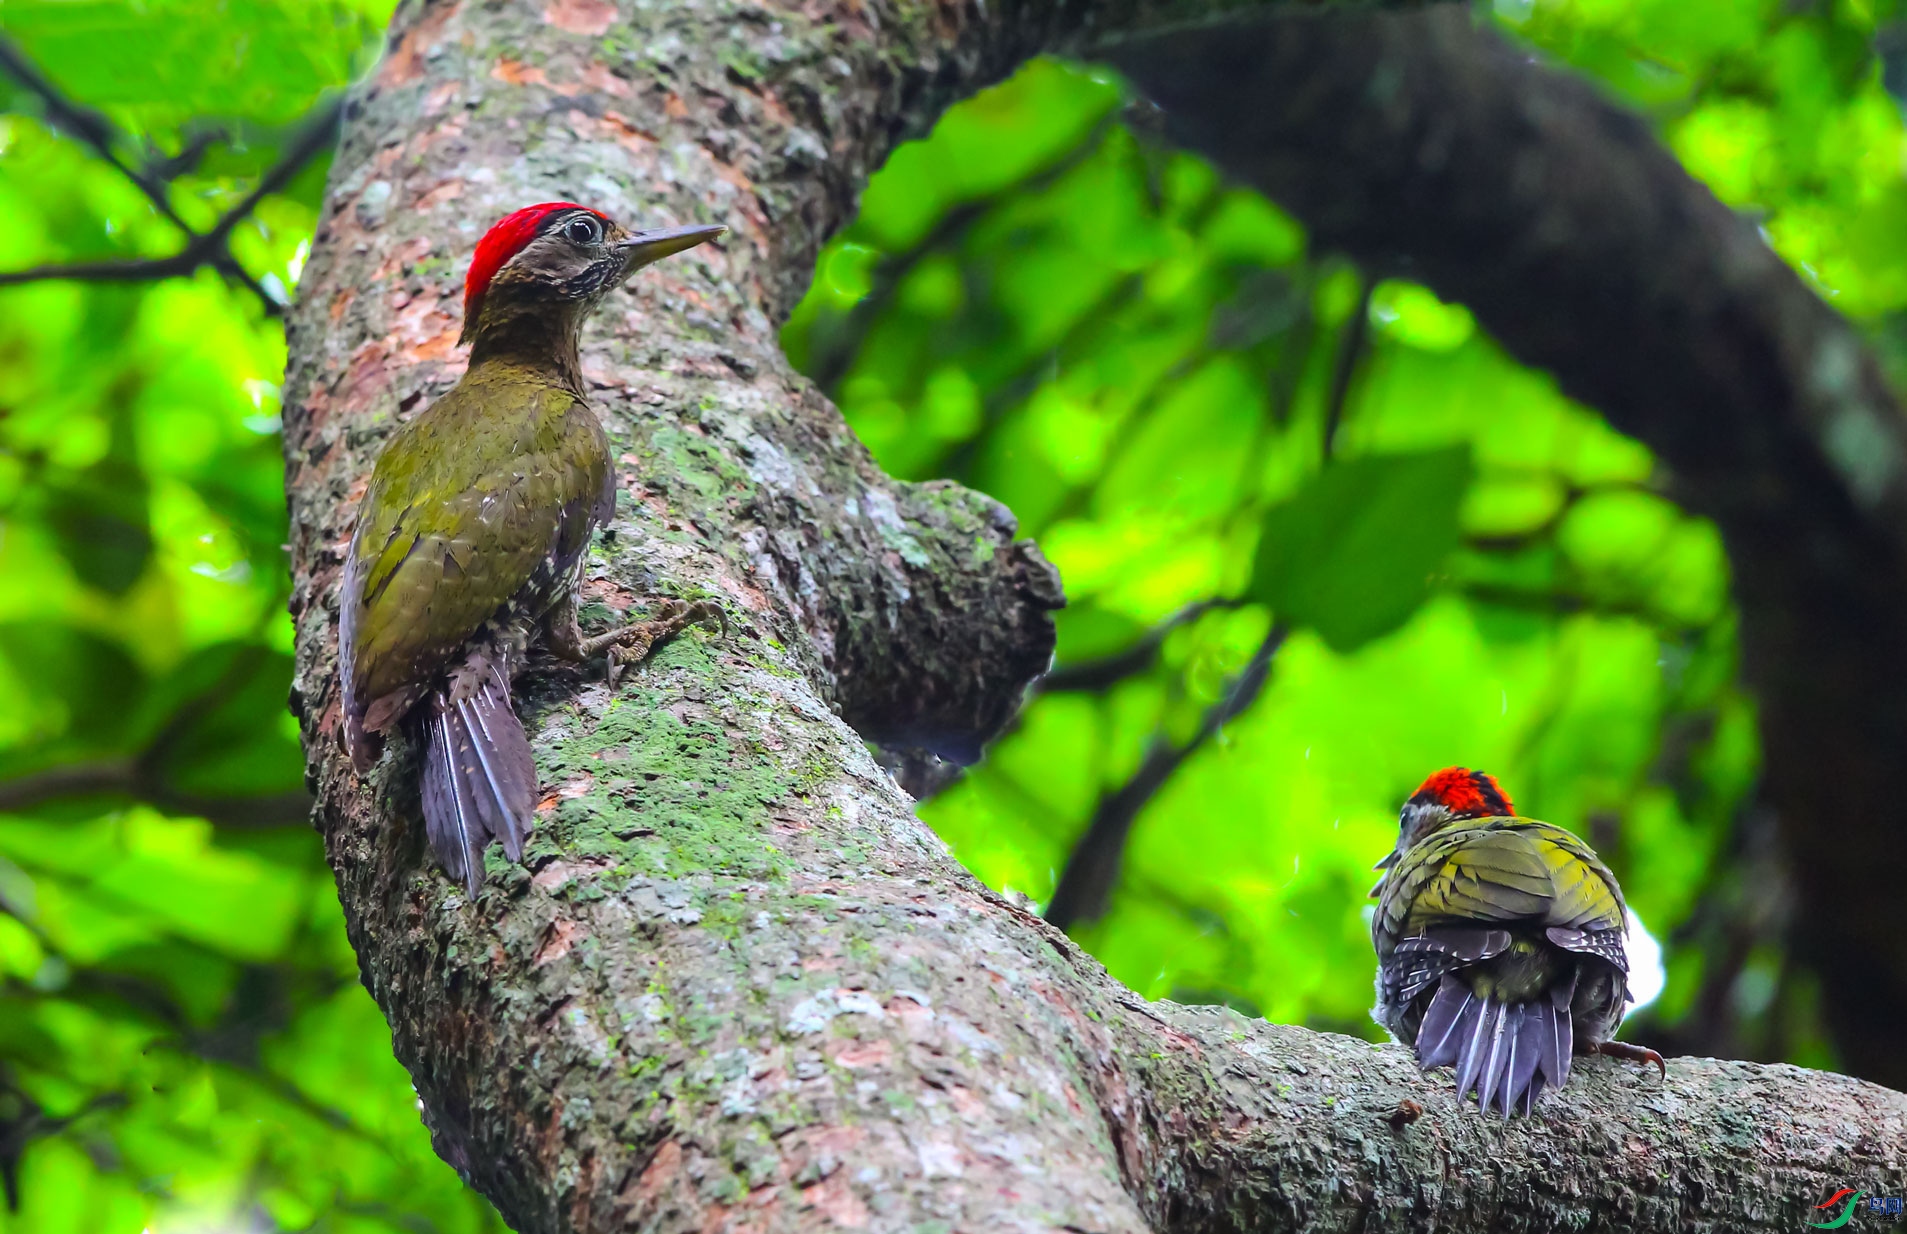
588,1034
939,1159
812,1014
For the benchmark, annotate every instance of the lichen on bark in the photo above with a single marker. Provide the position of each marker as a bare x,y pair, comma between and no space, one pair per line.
734,982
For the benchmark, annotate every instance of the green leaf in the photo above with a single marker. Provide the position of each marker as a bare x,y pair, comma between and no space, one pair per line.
1352,554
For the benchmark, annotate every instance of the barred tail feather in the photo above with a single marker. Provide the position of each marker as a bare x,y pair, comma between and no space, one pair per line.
1506,1053
479,779
450,812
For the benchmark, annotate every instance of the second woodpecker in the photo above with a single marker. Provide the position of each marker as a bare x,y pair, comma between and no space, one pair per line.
473,533
1499,944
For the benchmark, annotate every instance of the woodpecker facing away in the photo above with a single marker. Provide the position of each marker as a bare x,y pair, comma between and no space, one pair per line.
1499,944
472,536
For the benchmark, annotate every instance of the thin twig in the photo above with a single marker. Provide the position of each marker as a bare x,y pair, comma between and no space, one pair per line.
1091,676
96,131
829,368
1350,350
208,248
126,777
35,1124
1086,883
141,776
86,124
1558,602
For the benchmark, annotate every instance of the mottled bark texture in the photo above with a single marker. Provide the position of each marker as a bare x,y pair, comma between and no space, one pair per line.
736,985
1422,145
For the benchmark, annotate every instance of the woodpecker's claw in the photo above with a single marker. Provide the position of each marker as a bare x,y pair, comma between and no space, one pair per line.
1633,1053
631,644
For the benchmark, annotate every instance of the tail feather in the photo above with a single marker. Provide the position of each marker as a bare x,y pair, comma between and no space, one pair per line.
1471,1051
479,780
1507,1054
1497,1062
508,763
1523,1080
1444,1024
1560,1046
450,810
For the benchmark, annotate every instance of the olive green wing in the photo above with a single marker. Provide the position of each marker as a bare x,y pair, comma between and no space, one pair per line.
1511,870
449,534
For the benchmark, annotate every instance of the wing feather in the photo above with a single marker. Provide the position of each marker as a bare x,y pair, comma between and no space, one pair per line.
1511,870
448,535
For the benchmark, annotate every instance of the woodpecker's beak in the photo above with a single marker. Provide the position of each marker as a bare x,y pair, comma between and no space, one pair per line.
643,247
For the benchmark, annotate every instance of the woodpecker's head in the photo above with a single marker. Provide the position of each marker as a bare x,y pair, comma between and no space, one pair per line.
555,262
1448,796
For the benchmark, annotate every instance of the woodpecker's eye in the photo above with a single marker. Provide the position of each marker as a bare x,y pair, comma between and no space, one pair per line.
583,230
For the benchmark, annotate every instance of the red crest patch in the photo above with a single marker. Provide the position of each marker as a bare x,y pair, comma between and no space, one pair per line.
1465,793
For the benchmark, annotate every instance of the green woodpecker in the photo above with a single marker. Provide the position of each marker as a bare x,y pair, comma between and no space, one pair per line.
472,535
1499,944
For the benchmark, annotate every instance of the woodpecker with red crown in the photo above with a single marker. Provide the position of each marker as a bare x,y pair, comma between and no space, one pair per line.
472,536
1499,944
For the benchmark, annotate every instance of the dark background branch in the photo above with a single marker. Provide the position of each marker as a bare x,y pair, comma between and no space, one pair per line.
142,776
1091,676
136,779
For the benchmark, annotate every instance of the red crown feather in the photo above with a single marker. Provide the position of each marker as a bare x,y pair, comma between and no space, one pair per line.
504,241
1465,793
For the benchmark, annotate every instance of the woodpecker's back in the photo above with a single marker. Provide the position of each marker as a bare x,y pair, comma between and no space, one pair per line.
1499,943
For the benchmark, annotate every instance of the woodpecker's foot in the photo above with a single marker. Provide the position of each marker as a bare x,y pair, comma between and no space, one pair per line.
631,644
1633,1053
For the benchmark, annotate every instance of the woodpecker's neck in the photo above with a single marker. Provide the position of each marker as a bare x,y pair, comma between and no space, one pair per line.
542,337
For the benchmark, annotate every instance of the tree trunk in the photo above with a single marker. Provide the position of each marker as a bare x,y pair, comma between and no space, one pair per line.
736,983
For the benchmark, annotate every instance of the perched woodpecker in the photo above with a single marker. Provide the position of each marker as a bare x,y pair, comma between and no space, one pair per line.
473,533
1499,944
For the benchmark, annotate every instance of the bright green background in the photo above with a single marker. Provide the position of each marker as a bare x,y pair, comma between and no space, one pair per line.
1135,357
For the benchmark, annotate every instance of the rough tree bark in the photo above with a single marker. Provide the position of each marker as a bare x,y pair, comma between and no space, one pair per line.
736,983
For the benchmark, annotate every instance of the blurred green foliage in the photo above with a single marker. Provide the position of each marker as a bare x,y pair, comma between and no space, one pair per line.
184,1045
1209,428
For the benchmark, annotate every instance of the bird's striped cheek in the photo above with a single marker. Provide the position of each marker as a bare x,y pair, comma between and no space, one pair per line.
593,280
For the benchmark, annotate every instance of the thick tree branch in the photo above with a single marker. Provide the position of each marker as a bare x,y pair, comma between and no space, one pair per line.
735,981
